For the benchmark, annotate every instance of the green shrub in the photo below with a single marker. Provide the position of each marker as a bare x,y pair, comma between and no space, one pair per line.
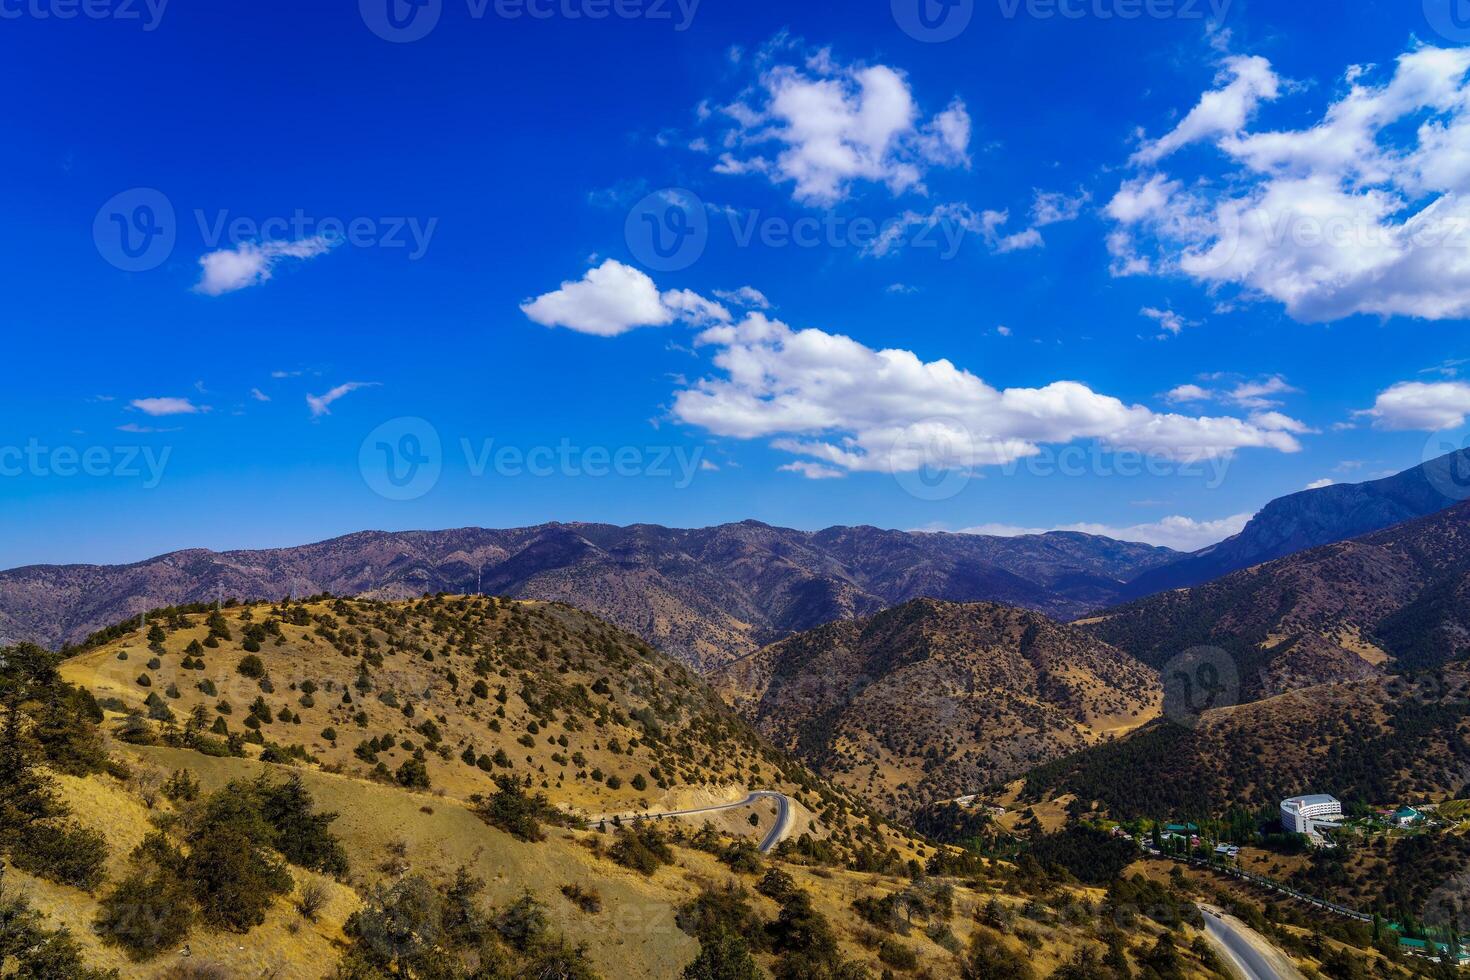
69,854
641,847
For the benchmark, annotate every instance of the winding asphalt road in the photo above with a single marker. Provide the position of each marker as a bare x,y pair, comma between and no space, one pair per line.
1247,953
777,834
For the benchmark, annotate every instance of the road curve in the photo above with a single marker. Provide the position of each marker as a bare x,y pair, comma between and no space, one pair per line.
777,834
1248,954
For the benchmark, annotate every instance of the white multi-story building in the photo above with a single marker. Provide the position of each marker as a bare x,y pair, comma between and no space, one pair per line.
1305,814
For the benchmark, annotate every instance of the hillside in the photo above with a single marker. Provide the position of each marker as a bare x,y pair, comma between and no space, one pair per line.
1317,517
704,596
166,836
440,694
933,700
1395,598
1375,740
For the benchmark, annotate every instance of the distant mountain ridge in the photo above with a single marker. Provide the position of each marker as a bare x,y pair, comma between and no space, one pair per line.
1311,518
1397,598
705,596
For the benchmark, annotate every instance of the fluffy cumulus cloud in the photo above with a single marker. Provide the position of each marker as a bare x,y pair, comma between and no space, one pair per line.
839,406
614,298
250,263
1426,406
823,127
1365,209
1179,533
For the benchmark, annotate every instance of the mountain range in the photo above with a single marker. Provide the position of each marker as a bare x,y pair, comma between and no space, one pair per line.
705,596
712,595
1319,516
1338,612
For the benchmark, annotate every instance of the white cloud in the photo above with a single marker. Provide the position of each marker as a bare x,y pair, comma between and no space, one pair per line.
259,395
1179,533
991,222
1364,211
1256,394
1053,207
746,296
846,407
250,264
1003,331
1248,81
1326,481
812,471
1168,320
614,298
832,125
693,308
166,406
1283,423
900,289
321,404
1422,406
1188,393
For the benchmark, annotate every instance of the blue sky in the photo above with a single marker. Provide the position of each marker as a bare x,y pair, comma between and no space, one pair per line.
276,272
